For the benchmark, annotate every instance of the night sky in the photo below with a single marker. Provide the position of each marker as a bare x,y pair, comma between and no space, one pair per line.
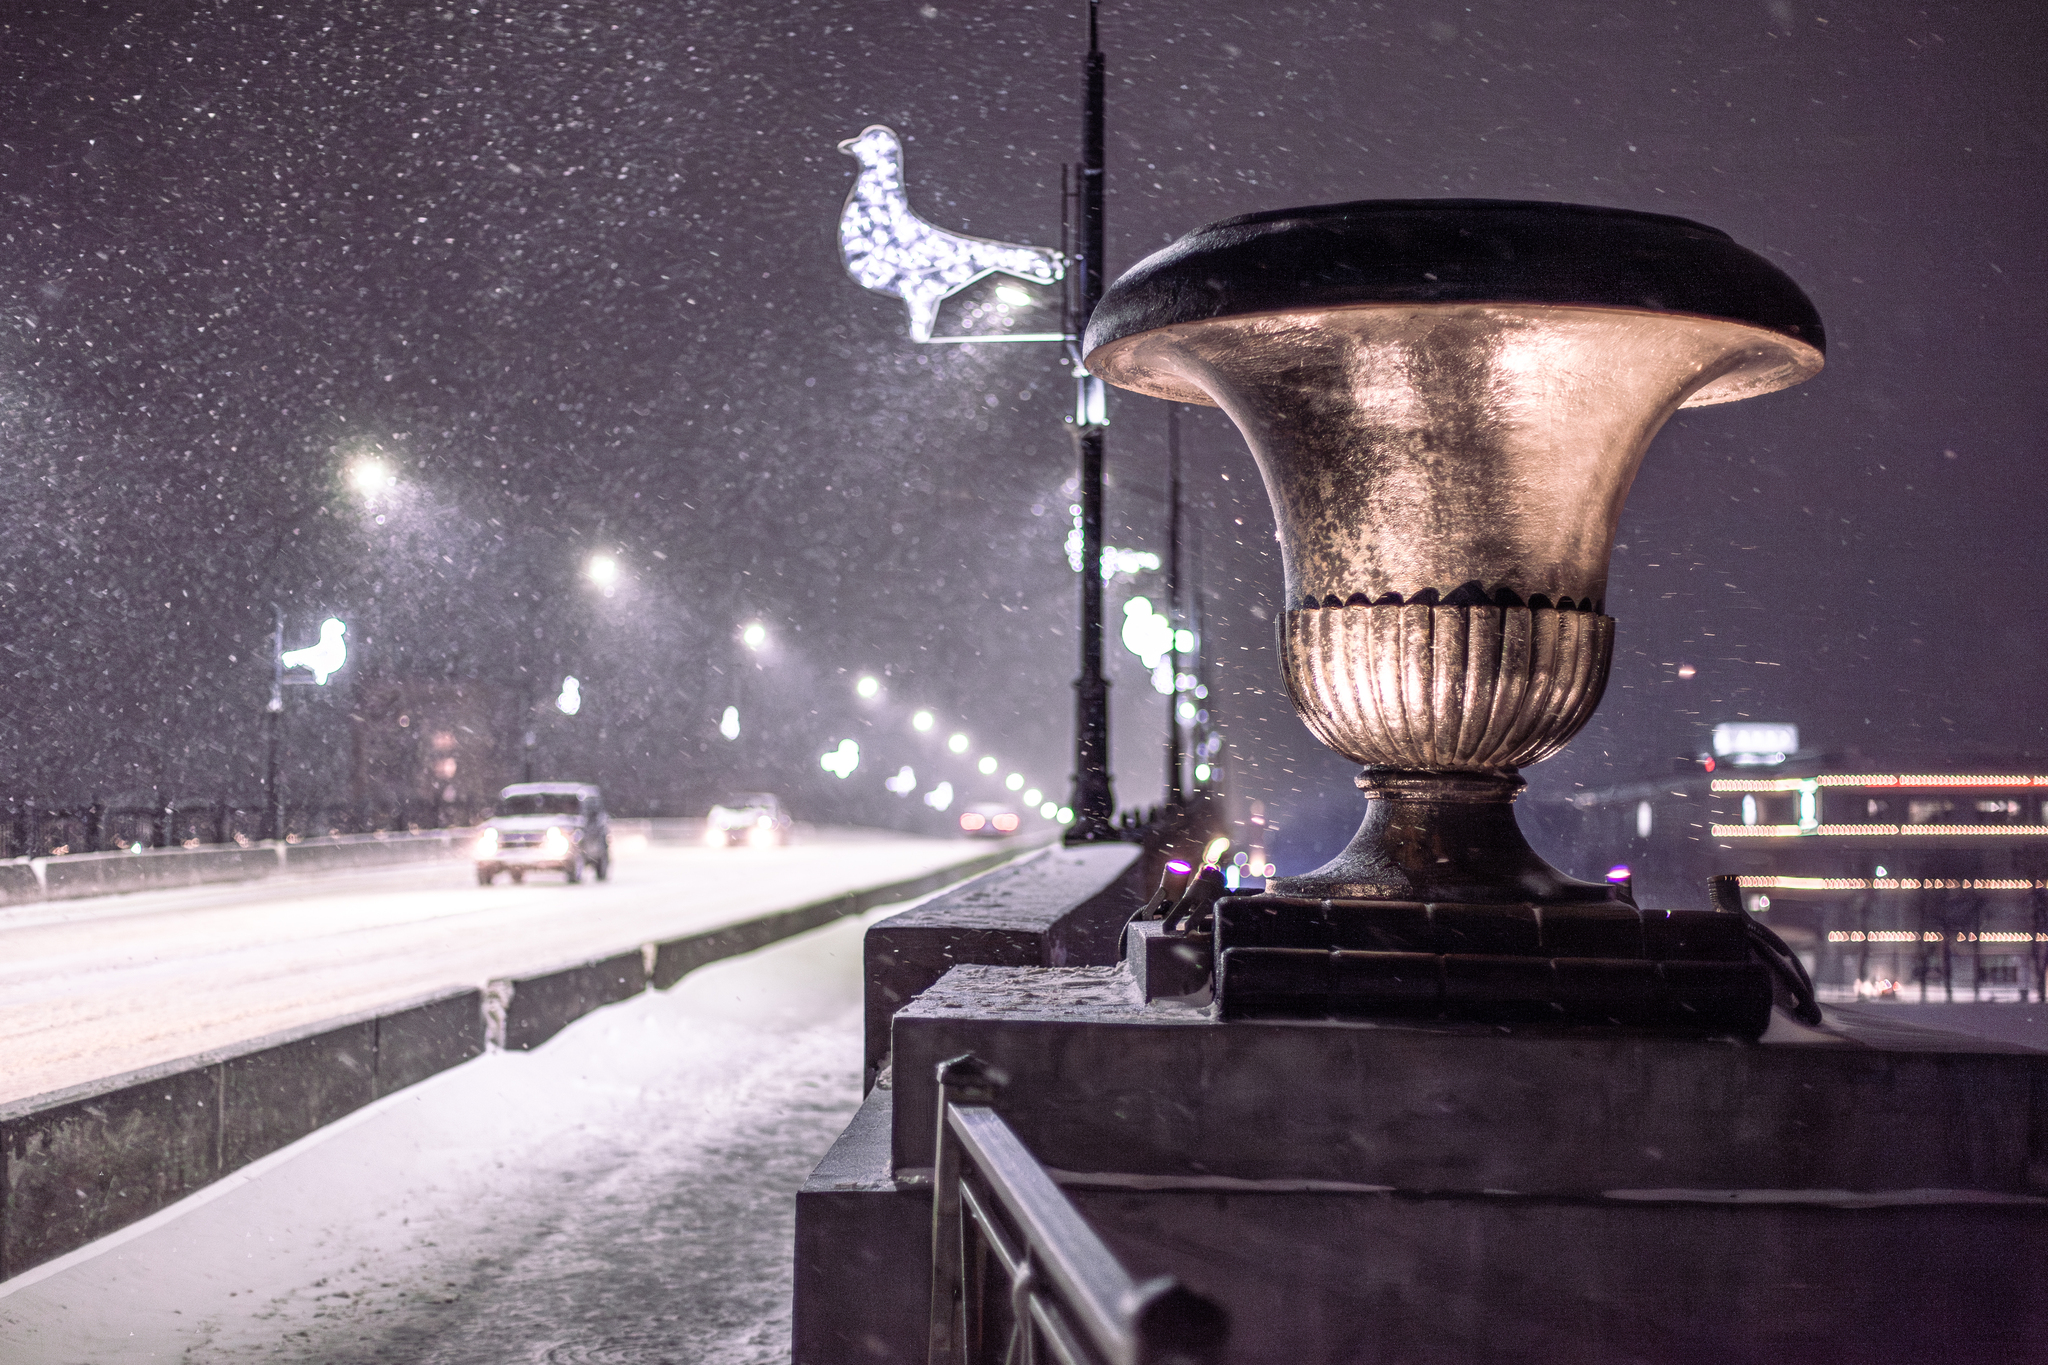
569,271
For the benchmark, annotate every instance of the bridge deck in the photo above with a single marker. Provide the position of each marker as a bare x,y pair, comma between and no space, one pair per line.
97,988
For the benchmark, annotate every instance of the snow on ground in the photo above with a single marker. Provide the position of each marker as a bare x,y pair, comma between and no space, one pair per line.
624,1193
100,987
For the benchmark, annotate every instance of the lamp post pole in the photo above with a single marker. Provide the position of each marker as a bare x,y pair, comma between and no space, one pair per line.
1175,797
273,723
1093,803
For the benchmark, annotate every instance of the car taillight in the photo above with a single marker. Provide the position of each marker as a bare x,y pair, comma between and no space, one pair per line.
971,821
1005,823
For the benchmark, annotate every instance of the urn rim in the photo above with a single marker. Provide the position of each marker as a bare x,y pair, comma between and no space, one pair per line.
1421,252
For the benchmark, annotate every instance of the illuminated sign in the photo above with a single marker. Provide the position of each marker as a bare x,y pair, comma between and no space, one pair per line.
1748,743
889,249
1880,831
1879,781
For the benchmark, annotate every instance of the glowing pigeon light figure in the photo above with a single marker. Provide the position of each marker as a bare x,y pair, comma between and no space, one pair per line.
571,700
324,657
891,250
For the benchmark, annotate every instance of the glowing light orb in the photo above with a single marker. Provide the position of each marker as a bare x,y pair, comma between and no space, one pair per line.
867,687
370,476
571,699
841,761
921,722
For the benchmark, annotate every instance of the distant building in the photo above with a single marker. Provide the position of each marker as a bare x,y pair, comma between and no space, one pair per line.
1886,878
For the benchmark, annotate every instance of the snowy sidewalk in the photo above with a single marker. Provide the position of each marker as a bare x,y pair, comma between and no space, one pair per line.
624,1193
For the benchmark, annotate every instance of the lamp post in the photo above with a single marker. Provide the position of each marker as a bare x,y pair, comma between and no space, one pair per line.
889,249
1093,801
273,723
322,659
1175,796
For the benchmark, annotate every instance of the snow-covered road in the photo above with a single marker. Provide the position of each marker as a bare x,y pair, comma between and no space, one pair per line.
624,1193
97,988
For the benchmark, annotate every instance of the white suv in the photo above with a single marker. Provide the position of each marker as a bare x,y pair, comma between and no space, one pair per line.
556,826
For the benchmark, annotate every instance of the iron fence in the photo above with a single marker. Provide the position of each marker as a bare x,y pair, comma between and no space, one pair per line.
1018,1275
35,828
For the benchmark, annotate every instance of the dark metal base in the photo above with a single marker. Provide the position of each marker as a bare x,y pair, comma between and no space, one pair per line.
1443,837
1282,957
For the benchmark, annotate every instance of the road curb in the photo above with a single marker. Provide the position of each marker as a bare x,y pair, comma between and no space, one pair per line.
88,1160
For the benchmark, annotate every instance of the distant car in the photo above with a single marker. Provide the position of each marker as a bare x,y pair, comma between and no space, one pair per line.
545,826
990,820
756,819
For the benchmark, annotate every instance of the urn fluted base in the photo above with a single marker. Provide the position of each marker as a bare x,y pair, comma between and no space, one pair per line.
1429,687
1442,837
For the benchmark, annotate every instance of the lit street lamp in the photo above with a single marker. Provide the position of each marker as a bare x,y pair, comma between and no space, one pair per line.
322,659
887,248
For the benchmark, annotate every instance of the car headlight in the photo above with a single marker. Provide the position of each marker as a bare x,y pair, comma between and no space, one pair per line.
487,844
554,843
761,835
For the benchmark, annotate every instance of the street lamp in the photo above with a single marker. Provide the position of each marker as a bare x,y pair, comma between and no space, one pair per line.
370,476
887,248
322,659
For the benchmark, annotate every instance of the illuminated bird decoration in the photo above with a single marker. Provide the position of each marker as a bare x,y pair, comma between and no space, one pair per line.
891,250
323,657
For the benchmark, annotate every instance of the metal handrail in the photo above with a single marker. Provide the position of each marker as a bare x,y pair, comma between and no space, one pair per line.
1070,1299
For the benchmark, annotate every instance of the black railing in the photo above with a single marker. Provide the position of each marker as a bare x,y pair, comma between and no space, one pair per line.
32,828
1018,1276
